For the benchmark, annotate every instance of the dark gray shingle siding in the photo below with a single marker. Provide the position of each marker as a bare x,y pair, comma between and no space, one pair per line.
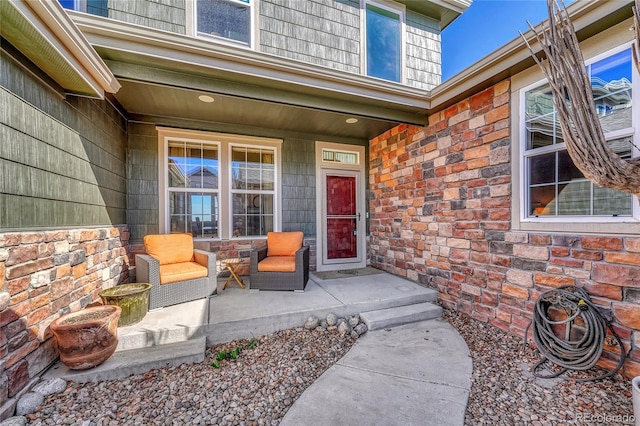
322,32
62,161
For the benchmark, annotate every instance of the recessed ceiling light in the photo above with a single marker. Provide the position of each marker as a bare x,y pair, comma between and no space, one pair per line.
352,120
206,98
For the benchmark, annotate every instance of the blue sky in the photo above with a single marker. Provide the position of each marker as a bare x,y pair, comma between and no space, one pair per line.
484,27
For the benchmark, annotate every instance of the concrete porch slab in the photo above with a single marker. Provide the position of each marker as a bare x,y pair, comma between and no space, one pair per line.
242,313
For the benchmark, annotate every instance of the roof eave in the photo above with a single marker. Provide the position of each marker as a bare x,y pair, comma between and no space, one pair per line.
444,11
588,16
171,49
39,22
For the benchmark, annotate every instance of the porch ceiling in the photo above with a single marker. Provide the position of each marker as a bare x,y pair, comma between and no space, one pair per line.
178,102
162,74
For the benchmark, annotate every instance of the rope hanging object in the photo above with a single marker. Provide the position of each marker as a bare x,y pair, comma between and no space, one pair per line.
585,329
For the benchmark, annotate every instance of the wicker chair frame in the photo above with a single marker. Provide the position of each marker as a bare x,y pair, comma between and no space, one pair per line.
296,281
161,295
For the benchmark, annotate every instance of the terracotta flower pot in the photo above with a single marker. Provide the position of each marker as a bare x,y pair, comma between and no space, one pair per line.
87,338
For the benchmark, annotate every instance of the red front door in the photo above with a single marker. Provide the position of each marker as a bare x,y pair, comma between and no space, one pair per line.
341,217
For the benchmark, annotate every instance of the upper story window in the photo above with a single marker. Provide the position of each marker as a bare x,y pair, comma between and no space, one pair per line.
94,7
383,41
553,185
218,186
225,19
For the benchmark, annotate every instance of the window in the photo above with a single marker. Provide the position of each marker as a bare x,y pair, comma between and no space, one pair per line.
336,156
193,175
252,190
383,42
554,186
224,19
218,186
94,7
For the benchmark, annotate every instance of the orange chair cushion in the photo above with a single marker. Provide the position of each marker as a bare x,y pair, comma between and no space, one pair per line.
181,272
284,243
278,264
169,248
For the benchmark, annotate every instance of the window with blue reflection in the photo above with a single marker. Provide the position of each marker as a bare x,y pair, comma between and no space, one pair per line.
611,86
383,43
94,7
556,187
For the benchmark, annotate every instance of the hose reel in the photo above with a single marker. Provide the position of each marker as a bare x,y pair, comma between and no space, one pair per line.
570,309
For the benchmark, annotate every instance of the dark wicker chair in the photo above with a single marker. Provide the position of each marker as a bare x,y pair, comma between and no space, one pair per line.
161,295
268,280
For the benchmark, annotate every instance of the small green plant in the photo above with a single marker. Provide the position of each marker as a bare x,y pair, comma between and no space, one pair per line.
232,354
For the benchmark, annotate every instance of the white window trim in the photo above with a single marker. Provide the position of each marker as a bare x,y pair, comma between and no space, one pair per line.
224,142
191,12
564,223
322,166
80,5
393,7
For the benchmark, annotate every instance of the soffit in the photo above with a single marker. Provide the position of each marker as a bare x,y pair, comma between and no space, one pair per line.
445,11
162,73
44,34
176,102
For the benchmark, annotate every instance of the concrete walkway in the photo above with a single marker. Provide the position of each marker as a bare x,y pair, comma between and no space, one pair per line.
415,374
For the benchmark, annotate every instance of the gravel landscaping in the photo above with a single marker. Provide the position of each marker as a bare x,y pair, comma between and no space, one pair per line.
270,373
257,388
504,392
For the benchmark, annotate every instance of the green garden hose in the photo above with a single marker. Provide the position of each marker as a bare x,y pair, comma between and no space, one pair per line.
577,352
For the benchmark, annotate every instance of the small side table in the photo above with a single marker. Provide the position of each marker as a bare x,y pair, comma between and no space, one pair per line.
232,266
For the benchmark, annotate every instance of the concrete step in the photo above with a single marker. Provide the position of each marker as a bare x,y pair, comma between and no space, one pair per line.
137,361
391,317
240,314
172,324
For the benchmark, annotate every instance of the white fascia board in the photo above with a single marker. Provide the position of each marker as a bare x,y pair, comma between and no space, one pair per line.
458,6
153,43
582,13
53,23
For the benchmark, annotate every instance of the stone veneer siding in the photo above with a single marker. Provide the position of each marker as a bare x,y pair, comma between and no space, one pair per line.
44,274
440,207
